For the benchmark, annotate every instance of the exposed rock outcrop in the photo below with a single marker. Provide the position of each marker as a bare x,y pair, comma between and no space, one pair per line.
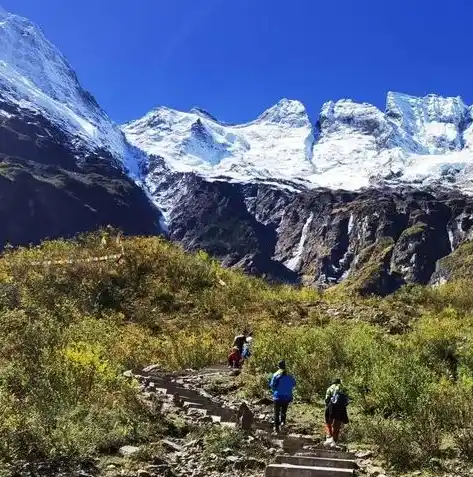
50,187
376,239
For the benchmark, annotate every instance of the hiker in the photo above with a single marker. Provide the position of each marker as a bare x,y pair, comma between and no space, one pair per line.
246,351
244,418
336,402
240,340
282,385
234,358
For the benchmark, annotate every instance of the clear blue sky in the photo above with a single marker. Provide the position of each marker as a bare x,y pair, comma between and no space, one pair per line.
235,58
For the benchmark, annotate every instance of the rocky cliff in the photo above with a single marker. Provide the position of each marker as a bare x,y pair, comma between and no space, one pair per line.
375,240
367,197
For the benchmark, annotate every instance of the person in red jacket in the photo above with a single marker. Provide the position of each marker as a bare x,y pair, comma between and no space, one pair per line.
234,358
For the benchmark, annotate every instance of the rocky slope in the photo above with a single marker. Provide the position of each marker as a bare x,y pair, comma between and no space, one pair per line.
319,236
268,195
65,167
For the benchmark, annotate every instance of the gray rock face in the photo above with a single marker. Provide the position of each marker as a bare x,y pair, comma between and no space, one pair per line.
50,187
316,236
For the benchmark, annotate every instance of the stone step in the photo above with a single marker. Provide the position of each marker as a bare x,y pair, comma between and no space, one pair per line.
263,425
194,405
227,424
294,443
201,402
162,391
308,461
287,470
189,395
217,411
214,369
327,453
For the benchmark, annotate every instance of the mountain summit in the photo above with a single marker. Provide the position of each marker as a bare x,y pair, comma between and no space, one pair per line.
66,168
277,144
35,75
352,145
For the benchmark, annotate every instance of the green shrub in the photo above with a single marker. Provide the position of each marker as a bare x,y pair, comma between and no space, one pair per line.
70,330
393,439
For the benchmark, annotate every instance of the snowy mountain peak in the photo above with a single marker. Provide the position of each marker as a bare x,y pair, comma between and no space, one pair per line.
433,107
286,112
416,140
204,114
435,123
277,144
345,114
35,75
25,51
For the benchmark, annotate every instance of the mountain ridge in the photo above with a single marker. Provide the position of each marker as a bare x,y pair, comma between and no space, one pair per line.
415,141
65,167
281,196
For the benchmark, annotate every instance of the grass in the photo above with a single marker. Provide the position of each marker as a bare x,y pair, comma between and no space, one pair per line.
459,264
370,272
69,331
219,443
415,229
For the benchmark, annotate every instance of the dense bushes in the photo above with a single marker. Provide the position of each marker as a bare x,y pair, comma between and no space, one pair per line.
69,330
410,393
60,396
70,326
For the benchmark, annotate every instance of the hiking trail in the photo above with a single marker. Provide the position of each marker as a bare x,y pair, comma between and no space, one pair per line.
300,455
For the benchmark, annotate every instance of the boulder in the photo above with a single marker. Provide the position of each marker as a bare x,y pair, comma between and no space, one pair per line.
127,451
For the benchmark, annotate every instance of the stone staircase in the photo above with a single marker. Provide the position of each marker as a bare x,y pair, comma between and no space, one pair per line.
300,459
317,463
170,387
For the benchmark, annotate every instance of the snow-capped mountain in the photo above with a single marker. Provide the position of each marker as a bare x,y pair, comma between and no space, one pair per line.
35,75
278,144
66,168
262,195
251,193
352,145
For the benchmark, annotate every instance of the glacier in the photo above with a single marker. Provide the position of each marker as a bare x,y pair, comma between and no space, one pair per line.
417,141
421,141
278,144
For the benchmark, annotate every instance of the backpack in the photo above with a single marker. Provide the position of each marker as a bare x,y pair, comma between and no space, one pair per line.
339,398
239,341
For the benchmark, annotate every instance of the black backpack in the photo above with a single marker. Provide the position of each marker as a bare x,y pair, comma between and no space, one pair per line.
339,398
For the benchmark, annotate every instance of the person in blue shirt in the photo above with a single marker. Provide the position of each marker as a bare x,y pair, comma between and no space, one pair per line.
282,385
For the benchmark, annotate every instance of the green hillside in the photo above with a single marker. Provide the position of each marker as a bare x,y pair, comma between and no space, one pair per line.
71,324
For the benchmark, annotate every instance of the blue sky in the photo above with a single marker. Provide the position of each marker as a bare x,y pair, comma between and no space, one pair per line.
235,58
